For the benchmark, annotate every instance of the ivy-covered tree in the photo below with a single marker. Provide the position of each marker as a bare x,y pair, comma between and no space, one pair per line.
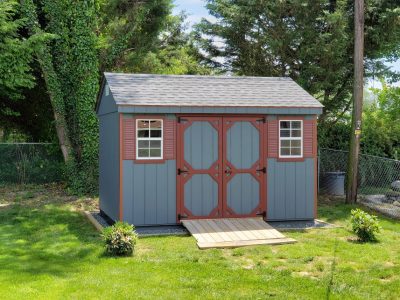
75,60
309,40
69,65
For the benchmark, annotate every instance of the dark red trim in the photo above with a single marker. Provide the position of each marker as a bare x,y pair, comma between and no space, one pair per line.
291,117
218,115
315,152
149,161
121,151
290,159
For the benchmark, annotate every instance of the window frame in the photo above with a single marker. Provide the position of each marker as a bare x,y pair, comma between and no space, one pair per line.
291,139
161,139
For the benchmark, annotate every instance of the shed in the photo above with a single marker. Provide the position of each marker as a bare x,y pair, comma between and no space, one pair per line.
187,147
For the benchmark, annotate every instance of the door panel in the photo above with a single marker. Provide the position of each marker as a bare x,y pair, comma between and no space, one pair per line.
199,167
242,145
244,172
201,195
220,167
243,193
201,145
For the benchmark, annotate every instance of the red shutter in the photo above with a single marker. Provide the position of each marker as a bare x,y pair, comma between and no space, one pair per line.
309,139
273,140
169,138
128,138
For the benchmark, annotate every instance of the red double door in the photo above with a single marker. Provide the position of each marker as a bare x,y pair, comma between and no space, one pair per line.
221,170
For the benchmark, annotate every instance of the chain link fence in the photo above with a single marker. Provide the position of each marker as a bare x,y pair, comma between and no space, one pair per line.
24,163
378,179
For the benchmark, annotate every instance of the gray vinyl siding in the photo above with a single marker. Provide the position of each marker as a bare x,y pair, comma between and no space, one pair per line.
109,164
149,193
290,189
219,110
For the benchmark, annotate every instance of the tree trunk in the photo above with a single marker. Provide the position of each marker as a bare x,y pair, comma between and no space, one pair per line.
352,169
42,53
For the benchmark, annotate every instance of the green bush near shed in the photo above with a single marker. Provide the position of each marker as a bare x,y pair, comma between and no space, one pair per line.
364,225
120,239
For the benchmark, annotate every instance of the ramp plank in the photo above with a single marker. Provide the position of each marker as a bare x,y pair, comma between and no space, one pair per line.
229,233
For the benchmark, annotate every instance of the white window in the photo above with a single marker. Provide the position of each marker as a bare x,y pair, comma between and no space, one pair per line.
290,138
149,139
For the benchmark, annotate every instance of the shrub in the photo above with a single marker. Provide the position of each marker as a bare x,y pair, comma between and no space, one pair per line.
120,239
364,225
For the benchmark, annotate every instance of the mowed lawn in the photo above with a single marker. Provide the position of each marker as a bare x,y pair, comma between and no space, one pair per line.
48,250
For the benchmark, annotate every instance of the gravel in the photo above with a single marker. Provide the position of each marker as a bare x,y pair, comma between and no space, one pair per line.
143,231
164,230
300,225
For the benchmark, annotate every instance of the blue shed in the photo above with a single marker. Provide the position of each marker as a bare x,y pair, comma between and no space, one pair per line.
187,147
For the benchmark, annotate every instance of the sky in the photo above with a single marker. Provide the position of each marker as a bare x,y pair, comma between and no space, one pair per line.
196,10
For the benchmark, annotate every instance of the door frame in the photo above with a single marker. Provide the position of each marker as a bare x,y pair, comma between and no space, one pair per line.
222,184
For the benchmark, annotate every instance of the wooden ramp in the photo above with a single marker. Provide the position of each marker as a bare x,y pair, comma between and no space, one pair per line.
230,233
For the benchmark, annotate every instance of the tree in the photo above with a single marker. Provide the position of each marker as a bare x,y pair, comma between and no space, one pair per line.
69,66
381,123
144,37
311,41
44,57
129,29
174,52
16,56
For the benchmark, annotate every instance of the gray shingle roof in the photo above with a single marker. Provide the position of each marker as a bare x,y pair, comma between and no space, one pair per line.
207,91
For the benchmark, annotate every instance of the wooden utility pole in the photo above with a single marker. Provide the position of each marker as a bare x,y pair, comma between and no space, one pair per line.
352,168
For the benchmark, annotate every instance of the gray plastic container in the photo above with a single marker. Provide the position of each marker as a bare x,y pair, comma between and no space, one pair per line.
332,183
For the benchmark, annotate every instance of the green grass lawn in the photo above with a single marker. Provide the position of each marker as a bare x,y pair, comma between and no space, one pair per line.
49,250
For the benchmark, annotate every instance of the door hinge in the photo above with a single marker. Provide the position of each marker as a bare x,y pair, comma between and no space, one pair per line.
264,170
181,119
264,214
262,120
182,216
180,171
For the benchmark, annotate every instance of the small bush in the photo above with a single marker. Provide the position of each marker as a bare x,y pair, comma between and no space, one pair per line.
364,225
120,239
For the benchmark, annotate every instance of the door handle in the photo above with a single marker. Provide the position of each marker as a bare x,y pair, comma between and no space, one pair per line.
180,171
228,171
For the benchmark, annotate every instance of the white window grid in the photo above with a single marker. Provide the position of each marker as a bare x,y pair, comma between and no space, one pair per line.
149,139
290,138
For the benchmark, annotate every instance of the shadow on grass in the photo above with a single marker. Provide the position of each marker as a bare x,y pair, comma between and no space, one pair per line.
48,240
355,240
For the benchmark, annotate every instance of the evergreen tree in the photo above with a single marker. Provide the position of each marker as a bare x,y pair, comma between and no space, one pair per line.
309,40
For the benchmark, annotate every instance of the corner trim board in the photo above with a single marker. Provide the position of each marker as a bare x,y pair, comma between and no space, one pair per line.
120,168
